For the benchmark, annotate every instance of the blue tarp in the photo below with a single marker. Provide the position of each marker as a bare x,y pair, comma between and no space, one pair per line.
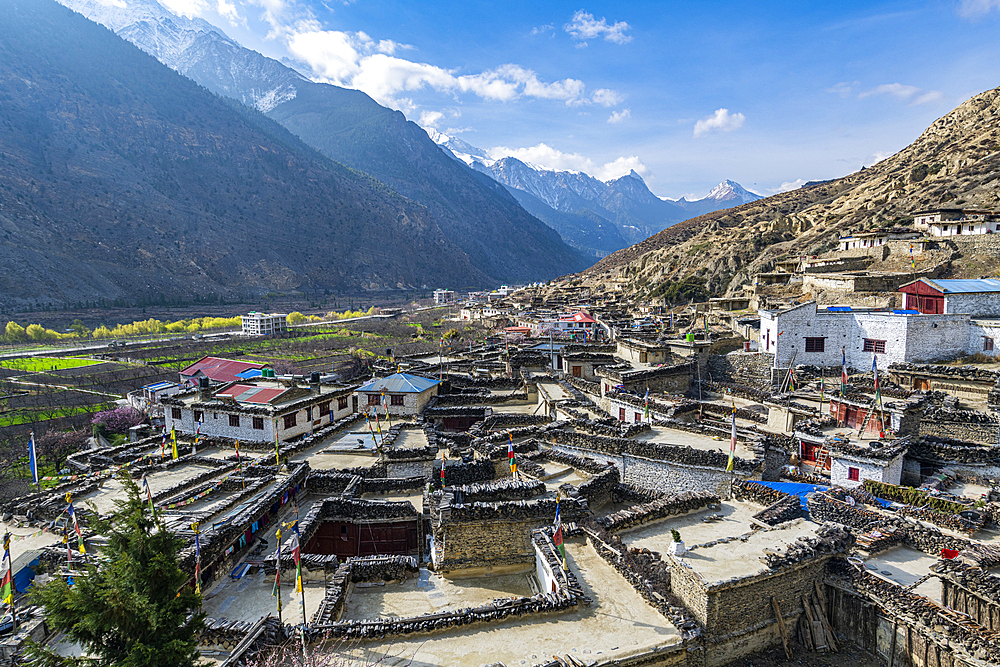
795,489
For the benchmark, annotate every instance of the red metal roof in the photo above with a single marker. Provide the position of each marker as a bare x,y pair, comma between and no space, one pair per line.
219,370
577,317
248,393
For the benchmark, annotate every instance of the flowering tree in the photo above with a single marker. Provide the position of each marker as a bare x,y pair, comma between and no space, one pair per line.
119,420
55,446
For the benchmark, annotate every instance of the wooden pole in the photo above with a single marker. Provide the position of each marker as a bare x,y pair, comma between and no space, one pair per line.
781,627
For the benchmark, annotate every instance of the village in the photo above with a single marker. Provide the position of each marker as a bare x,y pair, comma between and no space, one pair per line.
809,465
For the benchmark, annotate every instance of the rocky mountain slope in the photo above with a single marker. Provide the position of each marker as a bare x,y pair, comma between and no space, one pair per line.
955,162
505,242
121,179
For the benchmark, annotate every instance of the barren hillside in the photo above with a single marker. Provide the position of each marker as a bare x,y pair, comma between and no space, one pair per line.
955,162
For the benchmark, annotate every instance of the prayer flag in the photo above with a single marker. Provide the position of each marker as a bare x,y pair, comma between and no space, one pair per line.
843,372
76,523
732,444
149,495
33,458
276,591
557,536
442,468
277,458
295,556
173,443
7,589
878,397
646,407
510,454
913,264
197,558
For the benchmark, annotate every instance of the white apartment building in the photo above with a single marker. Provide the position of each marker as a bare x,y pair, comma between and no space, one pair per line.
264,324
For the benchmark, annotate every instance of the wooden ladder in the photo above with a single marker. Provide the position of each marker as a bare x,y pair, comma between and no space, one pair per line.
868,417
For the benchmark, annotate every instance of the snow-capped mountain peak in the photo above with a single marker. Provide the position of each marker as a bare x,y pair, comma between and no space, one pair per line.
192,46
728,191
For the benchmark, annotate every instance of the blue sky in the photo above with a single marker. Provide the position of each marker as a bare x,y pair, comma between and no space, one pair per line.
768,94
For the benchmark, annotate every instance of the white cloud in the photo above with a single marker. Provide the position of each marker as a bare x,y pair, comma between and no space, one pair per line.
976,8
430,119
619,116
607,98
902,92
721,121
355,60
543,155
788,185
543,29
227,10
843,88
584,26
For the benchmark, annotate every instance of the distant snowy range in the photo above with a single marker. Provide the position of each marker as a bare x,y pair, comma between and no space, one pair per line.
597,217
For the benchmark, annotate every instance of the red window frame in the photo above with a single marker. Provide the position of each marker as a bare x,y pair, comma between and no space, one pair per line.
234,421
258,423
373,399
816,344
175,413
873,345
853,474
290,420
396,399
342,403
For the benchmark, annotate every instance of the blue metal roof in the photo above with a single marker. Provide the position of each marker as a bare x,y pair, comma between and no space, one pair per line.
974,286
157,386
250,373
839,309
399,383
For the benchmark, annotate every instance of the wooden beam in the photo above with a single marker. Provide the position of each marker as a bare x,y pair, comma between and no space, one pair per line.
818,634
781,627
821,612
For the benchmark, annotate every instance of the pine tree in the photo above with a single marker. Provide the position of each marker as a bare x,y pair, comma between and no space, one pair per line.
131,607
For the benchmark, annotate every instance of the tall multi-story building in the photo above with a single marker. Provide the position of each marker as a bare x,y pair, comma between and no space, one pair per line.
264,324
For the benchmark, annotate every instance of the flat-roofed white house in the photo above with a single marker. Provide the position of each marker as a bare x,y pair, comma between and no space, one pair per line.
400,393
255,411
956,221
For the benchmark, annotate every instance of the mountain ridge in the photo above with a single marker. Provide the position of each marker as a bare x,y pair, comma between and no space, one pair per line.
502,239
122,179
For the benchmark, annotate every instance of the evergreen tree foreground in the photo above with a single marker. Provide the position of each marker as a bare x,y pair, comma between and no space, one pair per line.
131,607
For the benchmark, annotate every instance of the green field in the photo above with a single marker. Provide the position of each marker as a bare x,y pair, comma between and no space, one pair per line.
16,417
42,364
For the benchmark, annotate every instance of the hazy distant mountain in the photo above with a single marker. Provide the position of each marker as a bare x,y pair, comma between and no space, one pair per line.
505,242
625,201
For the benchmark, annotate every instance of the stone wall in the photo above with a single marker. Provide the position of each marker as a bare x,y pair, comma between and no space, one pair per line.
653,510
745,368
778,506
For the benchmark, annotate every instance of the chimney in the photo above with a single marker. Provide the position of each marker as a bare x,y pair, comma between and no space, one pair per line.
314,382
204,392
